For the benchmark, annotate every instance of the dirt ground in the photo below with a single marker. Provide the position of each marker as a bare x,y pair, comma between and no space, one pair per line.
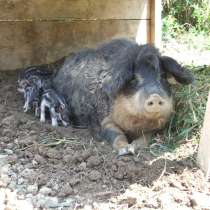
64,168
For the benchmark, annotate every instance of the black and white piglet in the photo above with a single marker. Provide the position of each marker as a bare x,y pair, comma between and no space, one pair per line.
32,98
57,107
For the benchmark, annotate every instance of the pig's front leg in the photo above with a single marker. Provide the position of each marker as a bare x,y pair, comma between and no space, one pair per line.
114,135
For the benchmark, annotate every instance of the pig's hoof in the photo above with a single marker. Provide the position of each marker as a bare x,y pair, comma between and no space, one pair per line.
55,125
128,149
25,109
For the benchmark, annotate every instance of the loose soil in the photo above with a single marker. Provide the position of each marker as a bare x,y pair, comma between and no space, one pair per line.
66,164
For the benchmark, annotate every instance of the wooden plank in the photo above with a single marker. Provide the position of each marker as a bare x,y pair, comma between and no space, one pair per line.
203,158
156,23
143,32
32,43
82,9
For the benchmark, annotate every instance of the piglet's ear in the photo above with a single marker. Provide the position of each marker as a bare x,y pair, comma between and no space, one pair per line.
171,67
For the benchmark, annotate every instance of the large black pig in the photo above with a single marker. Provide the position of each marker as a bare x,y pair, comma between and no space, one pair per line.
120,90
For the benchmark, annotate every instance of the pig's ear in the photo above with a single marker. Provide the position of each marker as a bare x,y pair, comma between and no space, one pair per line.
172,68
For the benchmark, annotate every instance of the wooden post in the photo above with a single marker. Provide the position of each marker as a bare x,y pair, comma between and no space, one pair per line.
156,23
203,158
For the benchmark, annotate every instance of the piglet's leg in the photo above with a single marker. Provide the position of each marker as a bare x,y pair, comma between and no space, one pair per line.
42,111
114,135
26,104
37,109
53,116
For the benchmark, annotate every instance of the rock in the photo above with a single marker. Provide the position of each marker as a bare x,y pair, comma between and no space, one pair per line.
69,203
39,159
86,154
51,202
9,120
46,202
12,185
12,159
53,153
82,166
27,140
65,191
8,151
93,161
32,188
27,172
20,181
45,190
42,179
3,160
74,181
200,200
94,175
67,158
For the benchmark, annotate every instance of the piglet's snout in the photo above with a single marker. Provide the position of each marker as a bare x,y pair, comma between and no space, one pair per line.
155,104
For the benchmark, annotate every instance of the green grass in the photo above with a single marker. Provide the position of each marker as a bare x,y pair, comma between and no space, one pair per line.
190,107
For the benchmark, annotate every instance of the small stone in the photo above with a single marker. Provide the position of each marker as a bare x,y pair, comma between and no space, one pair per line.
86,154
69,203
8,151
51,202
9,120
39,159
32,188
82,166
94,175
3,160
93,161
201,200
65,191
12,159
67,158
27,140
45,190
52,153
20,181
12,185
74,181
27,172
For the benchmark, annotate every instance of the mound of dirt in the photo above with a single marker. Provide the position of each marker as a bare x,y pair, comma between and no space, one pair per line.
44,167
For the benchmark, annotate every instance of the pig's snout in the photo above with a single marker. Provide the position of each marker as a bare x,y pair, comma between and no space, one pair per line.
155,104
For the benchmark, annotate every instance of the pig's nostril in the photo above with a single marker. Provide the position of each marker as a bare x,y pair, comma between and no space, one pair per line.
160,103
150,103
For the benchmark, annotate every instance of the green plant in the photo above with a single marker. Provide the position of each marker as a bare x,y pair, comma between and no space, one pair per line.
188,14
190,108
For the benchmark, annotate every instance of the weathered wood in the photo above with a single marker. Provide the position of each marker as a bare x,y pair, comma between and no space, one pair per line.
156,24
42,31
204,145
82,9
32,43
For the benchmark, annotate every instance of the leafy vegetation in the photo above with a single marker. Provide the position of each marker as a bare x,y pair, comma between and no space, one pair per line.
190,108
186,15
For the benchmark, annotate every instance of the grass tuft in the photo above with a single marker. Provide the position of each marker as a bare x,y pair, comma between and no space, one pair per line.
190,107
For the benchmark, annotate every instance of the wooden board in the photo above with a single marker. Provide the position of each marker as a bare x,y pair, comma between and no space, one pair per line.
32,43
41,31
156,23
81,9
204,145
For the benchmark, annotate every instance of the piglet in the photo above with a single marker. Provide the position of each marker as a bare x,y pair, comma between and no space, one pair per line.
32,98
57,106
